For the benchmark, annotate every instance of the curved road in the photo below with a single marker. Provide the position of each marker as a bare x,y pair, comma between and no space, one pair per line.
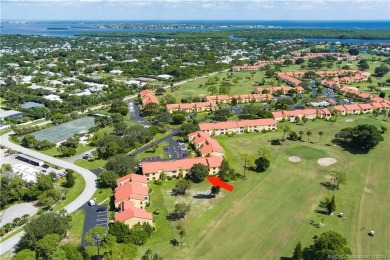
89,190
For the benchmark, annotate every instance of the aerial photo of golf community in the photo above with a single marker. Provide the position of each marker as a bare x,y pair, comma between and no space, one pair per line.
124,140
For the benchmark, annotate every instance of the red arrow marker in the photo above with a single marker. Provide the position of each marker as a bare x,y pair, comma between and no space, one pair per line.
216,181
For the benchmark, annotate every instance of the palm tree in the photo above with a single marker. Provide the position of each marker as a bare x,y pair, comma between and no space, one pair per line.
321,133
286,129
301,133
308,135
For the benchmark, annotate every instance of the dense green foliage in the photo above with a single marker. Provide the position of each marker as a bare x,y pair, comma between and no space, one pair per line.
329,244
198,172
364,137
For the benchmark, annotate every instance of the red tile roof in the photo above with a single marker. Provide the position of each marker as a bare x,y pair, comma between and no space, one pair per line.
133,213
124,191
339,108
352,107
132,177
277,114
365,106
186,164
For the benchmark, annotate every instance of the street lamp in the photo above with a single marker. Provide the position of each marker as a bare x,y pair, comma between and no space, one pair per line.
98,242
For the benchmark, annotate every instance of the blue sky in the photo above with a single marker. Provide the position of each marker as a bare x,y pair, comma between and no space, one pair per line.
195,9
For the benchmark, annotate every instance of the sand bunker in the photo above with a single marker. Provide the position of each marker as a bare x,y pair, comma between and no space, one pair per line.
295,159
350,120
326,161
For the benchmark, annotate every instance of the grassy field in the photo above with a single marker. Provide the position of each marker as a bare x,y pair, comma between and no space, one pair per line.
76,227
79,150
90,164
267,214
72,193
149,153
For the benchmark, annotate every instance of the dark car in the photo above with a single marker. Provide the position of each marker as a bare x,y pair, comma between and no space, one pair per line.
45,166
101,209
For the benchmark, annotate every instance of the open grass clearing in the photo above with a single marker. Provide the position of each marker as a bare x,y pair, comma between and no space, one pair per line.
79,150
150,153
90,164
270,212
75,231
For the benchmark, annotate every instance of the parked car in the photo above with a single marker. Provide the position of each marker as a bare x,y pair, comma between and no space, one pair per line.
45,166
101,209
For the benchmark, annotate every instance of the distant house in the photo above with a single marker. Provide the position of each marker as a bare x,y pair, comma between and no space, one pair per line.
11,114
52,97
29,105
238,127
42,87
116,72
164,77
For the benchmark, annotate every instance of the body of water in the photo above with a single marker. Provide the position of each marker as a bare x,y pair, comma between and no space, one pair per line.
71,28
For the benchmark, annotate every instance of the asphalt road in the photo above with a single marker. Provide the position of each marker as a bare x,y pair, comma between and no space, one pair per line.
89,177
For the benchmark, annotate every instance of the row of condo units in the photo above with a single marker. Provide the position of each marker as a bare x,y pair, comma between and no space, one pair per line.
179,168
257,66
338,81
238,127
284,89
205,145
292,115
262,63
288,78
192,107
131,198
147,97
325,113
242,98
339,56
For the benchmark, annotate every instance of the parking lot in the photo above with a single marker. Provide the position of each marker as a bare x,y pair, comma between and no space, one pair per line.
135,112
94,216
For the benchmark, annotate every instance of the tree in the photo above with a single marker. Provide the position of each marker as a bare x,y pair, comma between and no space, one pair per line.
222,114
215,190
70,178
328,245
120,231
181,187
364,137
97,232
286,129
108,178
297,255
150,256
301,133
304,120
46,246
44,182
213,90
120,128
139,234
353,51
339,178
25,254
381,71
48,223
198,172
178,118
49,197
29,141
248,160
181,210
160,91
292,135
308,135
121,164
331,205
151,109
123,251
320,133
264,152
262,164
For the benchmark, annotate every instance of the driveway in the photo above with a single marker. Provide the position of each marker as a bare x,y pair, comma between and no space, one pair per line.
89,190
79,156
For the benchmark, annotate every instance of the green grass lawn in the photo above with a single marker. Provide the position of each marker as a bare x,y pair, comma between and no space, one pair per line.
90,164
75,231
267,214
79,150
72,193
149,153
101,194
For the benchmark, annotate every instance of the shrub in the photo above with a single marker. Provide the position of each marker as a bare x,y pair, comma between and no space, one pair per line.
276,142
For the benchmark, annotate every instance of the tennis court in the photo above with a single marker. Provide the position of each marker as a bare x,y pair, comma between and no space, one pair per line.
62,132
